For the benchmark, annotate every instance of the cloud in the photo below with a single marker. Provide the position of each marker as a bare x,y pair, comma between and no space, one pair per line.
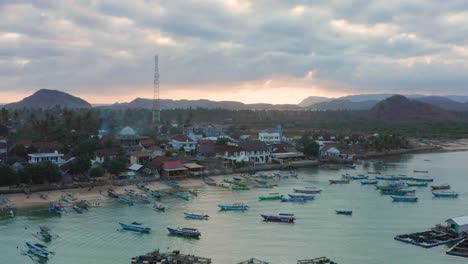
336,47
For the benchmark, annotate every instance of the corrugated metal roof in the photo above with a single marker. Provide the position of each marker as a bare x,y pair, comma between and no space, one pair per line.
460,220
193,166
135,167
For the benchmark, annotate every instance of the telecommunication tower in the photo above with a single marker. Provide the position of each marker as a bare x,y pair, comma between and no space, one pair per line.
156,103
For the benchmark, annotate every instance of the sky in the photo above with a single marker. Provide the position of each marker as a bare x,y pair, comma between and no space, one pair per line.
271,51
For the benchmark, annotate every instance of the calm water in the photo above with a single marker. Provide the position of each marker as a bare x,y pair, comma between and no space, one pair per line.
229,237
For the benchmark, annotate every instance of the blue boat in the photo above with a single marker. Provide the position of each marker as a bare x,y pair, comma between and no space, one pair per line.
77,209
422,179
234,207
369,182
209,181
155,194
196,216
344,212
408,199
402,178
39,250
185,232
359,177
397,192
142,187
55,208
131,193
136,227
279,218
172,184
111,193
445,194
387,178
293,200
127,200
308,191
301,196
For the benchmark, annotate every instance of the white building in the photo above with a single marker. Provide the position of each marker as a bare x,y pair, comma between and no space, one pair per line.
183,142
269,136
328,151
55,158
458,225
255,152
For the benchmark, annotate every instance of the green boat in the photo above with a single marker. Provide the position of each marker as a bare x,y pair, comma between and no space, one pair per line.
241,184
239,188
416,184
229,181
183,196
272,196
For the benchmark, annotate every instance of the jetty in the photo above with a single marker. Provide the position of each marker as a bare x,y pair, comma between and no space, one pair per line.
321,260
429,239
460,249
171,257
253,261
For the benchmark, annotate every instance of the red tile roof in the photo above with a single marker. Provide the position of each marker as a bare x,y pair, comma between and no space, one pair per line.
107,152
181,138
173,165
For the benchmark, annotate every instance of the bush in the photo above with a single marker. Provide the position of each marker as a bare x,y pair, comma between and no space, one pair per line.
96,172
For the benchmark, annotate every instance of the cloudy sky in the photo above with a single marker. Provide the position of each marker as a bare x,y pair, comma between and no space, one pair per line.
272,51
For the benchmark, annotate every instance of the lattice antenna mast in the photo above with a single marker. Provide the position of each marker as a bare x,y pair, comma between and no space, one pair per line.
156,103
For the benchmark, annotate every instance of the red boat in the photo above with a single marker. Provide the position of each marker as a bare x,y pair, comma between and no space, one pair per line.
279,218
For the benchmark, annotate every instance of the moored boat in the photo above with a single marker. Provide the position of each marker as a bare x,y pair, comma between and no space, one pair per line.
185,232
136,227
239,188
344,212
397,192
44,234
126,200
369,182
279,218
440,187
343,181
196,216
111,193
39,250
417,184
130,192
172,184
234,207
271,196
183,196
302,196
445,194
55,208
410,199
420,171
77,209
159,206
142,187
387,178
209,181
359,177
293,200
309,191
422,179
155,194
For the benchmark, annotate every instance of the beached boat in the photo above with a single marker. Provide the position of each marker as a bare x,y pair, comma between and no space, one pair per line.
445,194
344,212
350,166
142,187
343,181
359,177
172,184
279,218
83,204
237,178
222,185
271,196
159,206
420,171
369,182
243,184
309,191
417,184
143,198
196,216
209,181
43,196
397,192
130,192
55,208
155,194
183,196
111,193
422,179
126,200
66,198
262,186
408,199
293,200
136,227
185,232
77,209
39,250
440,187
239,188
233,207
302,196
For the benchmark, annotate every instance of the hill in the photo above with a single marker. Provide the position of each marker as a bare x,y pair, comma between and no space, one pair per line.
444,103
311,100
401,109
44,99
344,104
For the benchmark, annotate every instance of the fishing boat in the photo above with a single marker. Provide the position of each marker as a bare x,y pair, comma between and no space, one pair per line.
293,200
243,184
445,194
373,172
111,193
183,196
142,187
271,196
237,178
279,218
234,207
196,216
261,181
397,192
209,181
143,198
346,176
65,198
344,212
131,193
422,179
39,250
155,194
136,227
172,184
83,204
402,178
417,184
301,196
55,208
440,187
77,209
343,181
239,188
420,171
409,199
126,200
262,186
228,181
43,196
350,166
308,191
386,178
222,185
159,206
44,234
369,182
359,177
185,232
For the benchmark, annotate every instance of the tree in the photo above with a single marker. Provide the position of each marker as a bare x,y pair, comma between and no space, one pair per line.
222,141
96,172
7,175
80,165
115,166
308,146
38,173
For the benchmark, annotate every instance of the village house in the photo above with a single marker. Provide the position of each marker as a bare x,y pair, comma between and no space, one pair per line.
270,136
139,157
194,169
156,151
173,169
329,151
207,130
283,152
458,225
183,142
206,148
128,137
254,152
105,154
54,157
3,148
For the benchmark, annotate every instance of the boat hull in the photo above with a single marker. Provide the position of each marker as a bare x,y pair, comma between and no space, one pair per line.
311,191
135,228
184,233
278,218
233,207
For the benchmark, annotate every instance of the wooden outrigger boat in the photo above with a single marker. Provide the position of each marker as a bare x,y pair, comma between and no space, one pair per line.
293,200
417,184
344,212
302,196
369,182
279,218
445,194
440,187
185,232
196,216
408,199
37,250
234,207
271,196
343,181
308,191
183,196
159,206
136,227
